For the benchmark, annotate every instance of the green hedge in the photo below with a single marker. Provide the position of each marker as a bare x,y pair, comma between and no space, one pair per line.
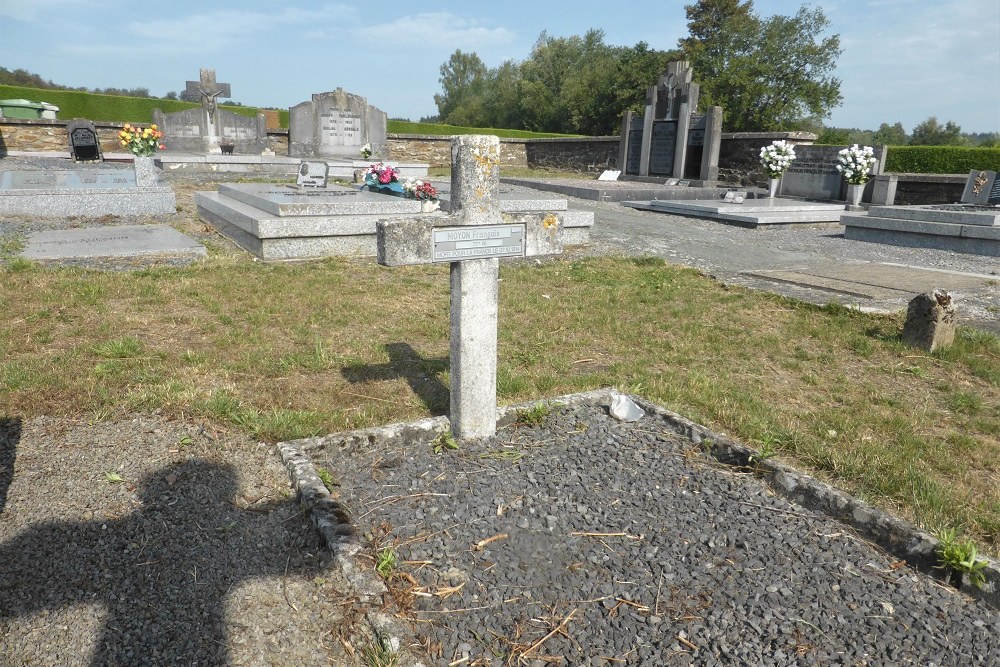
406,127
941,159
112,108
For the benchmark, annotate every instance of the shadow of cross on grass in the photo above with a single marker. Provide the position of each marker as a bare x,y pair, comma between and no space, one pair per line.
405,362
161,573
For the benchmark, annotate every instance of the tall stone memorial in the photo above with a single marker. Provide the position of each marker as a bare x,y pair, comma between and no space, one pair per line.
335,125
671,139
205,129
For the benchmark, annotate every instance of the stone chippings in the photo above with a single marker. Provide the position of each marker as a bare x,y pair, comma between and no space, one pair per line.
701,563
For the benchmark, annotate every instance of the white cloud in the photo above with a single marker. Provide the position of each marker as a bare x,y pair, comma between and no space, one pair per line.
441,29
215,31
29,10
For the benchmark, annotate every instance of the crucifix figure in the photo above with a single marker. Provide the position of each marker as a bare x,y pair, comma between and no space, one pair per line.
208,90
472,238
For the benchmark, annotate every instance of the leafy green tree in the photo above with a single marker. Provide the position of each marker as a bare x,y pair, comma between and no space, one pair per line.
890,135
462,80
578,85
764,73
932,133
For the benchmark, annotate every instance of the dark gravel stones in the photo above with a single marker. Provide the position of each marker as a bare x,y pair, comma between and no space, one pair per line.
607,543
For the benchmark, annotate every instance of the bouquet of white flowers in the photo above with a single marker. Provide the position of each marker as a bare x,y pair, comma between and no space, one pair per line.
777,157
856,163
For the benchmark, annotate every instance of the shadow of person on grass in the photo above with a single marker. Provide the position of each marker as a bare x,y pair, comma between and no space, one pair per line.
162,573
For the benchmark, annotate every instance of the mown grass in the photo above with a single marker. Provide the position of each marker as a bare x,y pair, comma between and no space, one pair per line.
292,350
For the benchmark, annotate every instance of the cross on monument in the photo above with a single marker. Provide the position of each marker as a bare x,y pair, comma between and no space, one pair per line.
208,89
472,238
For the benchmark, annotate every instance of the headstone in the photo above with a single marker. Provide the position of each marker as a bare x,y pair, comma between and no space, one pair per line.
609,175
83,143
206,129
313,174
813,173
982,189
930,321
672,139
472,239
336,124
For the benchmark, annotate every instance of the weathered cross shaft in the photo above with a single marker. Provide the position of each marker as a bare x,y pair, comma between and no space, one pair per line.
473,238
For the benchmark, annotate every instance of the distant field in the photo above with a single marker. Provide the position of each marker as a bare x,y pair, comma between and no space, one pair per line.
112,108
116,108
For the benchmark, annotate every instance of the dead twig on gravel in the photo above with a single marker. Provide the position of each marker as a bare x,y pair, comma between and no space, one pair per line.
559,629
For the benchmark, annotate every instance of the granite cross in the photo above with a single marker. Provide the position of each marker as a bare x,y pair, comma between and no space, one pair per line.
207,88
472,238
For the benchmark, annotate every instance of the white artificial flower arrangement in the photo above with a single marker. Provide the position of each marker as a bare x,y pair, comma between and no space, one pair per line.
777,157
856,163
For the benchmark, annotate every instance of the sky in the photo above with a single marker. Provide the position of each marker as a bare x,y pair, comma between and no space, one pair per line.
902,60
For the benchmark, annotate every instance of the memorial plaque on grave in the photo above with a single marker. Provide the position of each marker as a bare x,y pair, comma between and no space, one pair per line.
661,152
981,188
453,244
83,142
67,179
313,174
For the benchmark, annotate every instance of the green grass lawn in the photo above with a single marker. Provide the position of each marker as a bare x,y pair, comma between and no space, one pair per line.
291,350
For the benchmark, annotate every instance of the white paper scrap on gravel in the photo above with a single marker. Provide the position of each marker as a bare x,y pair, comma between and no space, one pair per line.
624,409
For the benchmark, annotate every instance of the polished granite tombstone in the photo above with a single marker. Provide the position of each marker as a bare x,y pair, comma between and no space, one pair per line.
754,213
84,189
966,228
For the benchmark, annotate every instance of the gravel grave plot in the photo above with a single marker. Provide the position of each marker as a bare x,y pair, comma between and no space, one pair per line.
584,541
153,542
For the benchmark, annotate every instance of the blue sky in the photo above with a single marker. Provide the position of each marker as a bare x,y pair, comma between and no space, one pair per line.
903,60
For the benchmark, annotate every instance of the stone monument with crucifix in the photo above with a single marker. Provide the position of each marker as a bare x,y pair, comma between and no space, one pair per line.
207,129
472,239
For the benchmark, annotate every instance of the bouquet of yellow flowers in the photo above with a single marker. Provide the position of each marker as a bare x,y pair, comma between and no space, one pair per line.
141,141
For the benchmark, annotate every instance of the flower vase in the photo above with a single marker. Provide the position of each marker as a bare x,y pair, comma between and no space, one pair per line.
145,170
429,205
854,192
772,187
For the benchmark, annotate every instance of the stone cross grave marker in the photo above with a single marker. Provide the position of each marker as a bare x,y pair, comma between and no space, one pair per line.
472,238
208,89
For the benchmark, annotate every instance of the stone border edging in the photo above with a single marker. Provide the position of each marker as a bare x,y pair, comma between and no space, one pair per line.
899,538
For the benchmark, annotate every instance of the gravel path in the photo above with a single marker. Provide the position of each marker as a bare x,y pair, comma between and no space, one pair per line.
605,543
155,542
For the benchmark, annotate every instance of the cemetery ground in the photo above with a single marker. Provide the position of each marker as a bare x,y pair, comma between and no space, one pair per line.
215,356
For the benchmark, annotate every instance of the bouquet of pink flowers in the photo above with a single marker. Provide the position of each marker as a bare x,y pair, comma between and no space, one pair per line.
383,178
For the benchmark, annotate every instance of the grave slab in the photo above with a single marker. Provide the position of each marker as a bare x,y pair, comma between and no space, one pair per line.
753,213
121,241
274,225
956,227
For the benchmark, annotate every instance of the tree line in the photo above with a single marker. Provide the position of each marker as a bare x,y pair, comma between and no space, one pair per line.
927,133
766,73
